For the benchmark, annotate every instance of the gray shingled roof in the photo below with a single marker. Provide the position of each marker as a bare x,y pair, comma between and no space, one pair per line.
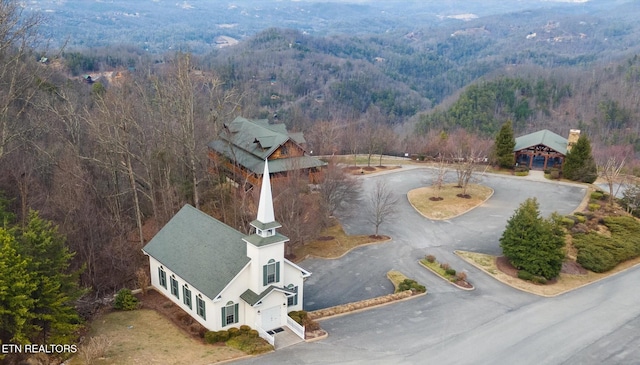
205,252
543,137
252,298
250,142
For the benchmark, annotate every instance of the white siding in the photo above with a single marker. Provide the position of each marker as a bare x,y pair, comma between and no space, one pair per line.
292,275
212,309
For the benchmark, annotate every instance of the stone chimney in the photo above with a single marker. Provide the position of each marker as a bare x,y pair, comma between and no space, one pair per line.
574,134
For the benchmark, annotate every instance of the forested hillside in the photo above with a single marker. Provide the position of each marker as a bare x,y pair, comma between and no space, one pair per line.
110,158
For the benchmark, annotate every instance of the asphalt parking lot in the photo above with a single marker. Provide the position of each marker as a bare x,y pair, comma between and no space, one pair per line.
494,324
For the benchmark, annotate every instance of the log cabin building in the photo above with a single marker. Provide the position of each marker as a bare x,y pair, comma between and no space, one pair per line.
543,149
244,145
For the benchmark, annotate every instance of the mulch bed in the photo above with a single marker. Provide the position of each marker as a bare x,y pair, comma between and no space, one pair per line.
463,284
568,267
159,303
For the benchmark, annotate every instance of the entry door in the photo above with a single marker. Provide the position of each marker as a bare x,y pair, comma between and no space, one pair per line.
271,318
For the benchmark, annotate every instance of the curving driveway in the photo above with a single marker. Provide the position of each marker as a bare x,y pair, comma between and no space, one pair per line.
493,324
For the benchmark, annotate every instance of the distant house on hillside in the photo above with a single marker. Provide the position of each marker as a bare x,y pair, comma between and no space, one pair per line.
244,145
543,149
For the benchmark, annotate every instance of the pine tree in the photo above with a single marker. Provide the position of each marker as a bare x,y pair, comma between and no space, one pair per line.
533,243
504,144
16,288
55,318
579,164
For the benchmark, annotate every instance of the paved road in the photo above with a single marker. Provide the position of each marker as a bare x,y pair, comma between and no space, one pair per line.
493,324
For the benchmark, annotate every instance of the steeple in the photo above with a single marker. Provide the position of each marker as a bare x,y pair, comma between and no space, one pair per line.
265,224
265,206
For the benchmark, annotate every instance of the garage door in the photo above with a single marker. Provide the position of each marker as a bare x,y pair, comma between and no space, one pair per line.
271,318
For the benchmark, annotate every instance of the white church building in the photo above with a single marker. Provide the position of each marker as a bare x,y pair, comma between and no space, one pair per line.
223,278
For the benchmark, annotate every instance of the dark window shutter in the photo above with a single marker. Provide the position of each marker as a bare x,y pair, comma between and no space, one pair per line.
264,275
235,313
277,271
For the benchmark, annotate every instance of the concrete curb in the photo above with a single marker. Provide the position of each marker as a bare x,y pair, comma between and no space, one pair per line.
365,308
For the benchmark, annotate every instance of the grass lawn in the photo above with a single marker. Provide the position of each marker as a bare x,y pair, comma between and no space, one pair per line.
145,337
333,243
451,205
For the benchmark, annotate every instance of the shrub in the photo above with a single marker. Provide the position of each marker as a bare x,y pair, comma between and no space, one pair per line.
430,258
581,218
525,275
210,337
450,272
597,195
554,174
244,329
445,267
521,173
253,333
233,332
568,222
593,207
409,284
539,280
96,348
461,276
595,258
302,318
125,300
216,336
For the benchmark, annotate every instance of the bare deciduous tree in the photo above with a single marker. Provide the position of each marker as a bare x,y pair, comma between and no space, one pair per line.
610,162
19,76
438,180
467,151
337,188
382,205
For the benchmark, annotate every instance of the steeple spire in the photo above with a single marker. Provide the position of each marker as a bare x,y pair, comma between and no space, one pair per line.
265,206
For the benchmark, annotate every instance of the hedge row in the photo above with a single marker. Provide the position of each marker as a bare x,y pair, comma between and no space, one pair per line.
226,335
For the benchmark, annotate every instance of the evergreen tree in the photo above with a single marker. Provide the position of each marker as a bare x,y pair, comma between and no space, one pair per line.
579,164
6,217
16,288
55,318
504,144
533,243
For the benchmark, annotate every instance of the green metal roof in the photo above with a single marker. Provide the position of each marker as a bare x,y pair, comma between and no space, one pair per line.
250,142
205,252
543,137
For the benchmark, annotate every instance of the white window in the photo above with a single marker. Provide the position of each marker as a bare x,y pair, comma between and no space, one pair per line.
229,314
271,272
186,296
162,277
174,287
200,307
